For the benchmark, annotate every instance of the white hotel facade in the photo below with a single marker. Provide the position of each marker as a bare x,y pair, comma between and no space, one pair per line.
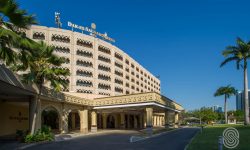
107,89
97,67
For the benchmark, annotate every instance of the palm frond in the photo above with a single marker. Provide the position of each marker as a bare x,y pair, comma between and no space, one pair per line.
229,59
15,15
225,90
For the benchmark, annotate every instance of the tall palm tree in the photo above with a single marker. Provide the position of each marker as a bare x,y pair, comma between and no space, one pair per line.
240,54
43,66
12,21
227,91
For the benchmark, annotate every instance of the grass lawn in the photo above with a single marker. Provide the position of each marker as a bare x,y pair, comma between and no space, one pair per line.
208,139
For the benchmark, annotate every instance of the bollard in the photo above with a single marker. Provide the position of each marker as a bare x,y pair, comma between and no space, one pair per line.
220,143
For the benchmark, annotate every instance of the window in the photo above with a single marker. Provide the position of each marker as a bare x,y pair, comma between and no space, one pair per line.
118,56
38,36
104,68
84,83
104,59
84,43
84,53
60,38
104,49
104,77
84,63
84,73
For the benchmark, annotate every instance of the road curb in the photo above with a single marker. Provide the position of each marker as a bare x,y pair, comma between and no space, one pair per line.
33,144
137,138
191,140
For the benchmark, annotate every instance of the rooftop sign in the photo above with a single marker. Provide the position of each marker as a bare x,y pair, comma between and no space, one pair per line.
91,30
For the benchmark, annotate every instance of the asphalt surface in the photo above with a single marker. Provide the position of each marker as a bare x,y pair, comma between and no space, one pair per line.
174,140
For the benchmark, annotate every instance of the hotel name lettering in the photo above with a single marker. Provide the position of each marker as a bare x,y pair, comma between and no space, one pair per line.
90,30
19,118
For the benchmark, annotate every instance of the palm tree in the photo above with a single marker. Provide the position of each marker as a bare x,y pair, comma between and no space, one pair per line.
240,53
227,91
12,21
43,66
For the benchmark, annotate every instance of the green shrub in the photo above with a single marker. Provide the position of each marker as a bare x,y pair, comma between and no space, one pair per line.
43,134
29,138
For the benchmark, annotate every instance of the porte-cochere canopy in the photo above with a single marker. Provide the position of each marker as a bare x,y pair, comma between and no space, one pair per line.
125,111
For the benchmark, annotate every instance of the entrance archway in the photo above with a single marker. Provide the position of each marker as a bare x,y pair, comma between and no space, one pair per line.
111,122
50,117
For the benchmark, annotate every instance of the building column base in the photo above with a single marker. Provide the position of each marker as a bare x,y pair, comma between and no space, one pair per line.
84,131
93,128
176,125
149,130
122,126
167,126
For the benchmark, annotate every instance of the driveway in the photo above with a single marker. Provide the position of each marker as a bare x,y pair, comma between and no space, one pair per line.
119,140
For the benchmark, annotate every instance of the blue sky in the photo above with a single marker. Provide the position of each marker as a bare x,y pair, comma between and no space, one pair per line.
179,40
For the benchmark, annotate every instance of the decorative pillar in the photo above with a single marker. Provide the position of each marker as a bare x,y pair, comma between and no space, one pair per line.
166,119
159,120
116,121
122,120
73,120
93,121
144,120
135,121
99,118
155,121
162,120
141,120
34,114
149,113
84,121
64,122
128,119
176,119
104,121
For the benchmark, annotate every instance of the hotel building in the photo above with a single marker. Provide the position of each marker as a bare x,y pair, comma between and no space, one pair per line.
107,89
97,67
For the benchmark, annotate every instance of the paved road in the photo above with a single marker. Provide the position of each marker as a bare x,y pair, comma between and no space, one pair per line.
175,140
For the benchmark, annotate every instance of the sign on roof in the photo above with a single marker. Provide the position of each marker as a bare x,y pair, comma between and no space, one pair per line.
91,31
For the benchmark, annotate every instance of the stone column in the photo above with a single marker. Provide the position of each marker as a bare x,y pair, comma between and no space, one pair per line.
128,119
116,121
93,121
155,121
149,113
99,124
159,120
84,121
166,119
145,120
135,122
122,120
64,122
104,121
34,114
162,120
176,119
73,120
141,120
